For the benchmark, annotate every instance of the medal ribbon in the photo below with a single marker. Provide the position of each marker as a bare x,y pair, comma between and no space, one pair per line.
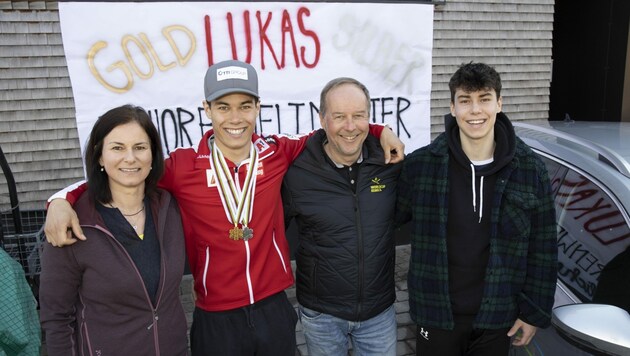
238,203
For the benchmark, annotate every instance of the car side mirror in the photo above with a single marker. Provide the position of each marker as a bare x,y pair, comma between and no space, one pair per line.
599,328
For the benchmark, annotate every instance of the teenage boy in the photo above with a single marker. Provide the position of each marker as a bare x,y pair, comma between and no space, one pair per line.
483,228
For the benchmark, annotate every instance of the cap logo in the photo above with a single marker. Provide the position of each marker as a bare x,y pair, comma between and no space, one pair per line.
231,73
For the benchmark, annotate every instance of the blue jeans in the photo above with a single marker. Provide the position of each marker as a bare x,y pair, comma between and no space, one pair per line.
327,335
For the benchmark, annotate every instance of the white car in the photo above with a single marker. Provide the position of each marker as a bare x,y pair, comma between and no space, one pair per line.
589,168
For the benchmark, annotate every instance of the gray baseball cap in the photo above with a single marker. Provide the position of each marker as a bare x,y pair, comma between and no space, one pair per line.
229,77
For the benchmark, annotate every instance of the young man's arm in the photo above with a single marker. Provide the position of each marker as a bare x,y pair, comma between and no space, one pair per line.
537,297
393,147
62,223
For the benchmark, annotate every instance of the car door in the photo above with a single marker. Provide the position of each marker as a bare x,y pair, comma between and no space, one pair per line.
593,250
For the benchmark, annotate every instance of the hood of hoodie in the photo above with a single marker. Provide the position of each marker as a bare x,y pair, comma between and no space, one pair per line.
504,137
505,140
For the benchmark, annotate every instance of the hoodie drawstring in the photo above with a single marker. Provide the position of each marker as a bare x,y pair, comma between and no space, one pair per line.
480,199
474,193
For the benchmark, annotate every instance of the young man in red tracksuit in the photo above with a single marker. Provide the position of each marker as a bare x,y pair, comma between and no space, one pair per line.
228,189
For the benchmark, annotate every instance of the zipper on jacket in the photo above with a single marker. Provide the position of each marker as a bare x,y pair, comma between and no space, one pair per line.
146,294
84,335
359,252
205,271
155,319
133,265
275,245
156,338
162,281
249,278
250,288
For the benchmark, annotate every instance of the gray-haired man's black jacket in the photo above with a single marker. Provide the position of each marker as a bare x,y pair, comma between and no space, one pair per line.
346,250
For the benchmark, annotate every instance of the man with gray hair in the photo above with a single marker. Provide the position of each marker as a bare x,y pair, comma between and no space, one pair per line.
342,196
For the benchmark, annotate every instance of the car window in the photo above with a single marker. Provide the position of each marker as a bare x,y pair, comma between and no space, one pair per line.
591,232
556,173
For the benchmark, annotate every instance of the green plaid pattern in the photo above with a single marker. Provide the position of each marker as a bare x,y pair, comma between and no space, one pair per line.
521,272
20,333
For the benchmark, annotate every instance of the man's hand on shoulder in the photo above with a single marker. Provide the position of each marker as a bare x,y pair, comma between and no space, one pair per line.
393,147
62,224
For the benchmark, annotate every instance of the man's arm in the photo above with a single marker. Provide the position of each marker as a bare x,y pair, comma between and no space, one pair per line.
405,191
287,204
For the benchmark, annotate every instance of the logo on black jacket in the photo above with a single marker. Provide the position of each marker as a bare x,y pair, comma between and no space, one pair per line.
376,186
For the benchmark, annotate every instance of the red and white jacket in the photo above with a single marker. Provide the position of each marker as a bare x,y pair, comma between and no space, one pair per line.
230,274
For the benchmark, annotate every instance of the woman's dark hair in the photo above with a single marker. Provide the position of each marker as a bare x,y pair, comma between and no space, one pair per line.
98,182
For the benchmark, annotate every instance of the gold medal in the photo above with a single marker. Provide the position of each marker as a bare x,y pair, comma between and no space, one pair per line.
236,233
237,201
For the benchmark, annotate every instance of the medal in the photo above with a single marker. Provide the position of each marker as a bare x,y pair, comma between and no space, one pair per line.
237,201
247,233
236,233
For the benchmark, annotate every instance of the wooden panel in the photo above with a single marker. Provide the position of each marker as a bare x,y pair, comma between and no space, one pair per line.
514,36
37,127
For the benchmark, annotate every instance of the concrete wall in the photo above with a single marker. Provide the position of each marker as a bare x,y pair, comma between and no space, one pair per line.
38,130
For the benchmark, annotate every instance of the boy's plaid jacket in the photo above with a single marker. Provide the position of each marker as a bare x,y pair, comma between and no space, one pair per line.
521,271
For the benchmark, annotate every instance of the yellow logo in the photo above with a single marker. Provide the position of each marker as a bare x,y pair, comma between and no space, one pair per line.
376,187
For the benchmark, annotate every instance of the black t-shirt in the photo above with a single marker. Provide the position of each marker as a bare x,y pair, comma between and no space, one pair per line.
468,239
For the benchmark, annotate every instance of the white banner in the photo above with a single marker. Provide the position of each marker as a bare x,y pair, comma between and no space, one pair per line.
155,55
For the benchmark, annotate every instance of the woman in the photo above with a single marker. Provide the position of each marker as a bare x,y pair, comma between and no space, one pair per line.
117,293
